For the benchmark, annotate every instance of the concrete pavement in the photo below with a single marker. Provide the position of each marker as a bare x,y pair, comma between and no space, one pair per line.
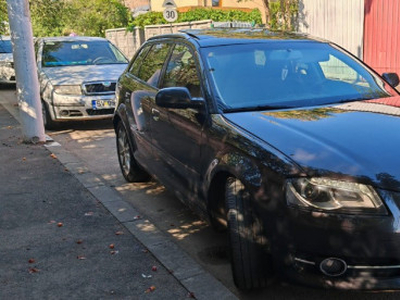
64,234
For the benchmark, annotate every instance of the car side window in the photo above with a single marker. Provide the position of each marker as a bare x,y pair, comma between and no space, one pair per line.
134,68
150,69
182,72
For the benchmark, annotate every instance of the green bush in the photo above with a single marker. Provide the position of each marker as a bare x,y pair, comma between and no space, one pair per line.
198,14
277,21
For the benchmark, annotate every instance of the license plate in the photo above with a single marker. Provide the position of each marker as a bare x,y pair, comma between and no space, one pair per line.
98,104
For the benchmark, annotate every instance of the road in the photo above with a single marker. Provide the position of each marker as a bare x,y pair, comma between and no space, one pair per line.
94,144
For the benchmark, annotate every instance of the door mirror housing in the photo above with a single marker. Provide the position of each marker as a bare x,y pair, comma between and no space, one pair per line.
178,97
391,78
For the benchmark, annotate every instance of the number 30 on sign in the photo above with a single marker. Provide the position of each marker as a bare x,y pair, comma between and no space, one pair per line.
170,14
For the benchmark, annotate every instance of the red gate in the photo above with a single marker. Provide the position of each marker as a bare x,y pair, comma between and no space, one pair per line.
382,35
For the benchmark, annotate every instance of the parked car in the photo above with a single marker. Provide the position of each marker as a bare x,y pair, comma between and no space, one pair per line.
7,72
290,141
77,78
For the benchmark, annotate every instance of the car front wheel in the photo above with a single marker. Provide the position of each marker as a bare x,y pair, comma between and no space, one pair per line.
129,167
48,122
251,265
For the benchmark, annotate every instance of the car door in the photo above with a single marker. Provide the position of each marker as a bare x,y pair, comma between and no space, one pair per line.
139,87
177,133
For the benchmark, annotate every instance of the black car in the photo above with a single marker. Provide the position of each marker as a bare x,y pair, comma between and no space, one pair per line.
289,141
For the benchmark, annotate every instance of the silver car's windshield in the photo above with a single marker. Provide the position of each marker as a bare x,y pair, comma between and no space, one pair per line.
5,46
69,53
288,74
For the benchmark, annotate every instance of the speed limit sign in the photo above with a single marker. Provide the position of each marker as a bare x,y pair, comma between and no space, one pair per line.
170,14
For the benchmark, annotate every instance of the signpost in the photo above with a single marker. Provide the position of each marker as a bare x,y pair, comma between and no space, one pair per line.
170,13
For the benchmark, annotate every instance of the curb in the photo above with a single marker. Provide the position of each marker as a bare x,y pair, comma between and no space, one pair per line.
186,270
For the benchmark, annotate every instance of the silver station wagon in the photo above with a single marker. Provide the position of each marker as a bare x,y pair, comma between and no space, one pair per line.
77,78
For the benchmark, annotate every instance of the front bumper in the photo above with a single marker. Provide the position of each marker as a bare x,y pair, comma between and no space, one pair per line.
7,72
80,108
340,251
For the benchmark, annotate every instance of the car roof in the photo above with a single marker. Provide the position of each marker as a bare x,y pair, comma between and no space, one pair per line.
225,36
71,38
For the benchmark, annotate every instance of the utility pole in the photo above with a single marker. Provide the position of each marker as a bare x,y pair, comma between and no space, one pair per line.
25,71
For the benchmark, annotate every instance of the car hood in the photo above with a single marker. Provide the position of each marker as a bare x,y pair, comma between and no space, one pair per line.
71,75
6,57
359,139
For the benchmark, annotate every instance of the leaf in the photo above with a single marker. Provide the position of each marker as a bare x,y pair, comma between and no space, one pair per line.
53,156
150,289
33,270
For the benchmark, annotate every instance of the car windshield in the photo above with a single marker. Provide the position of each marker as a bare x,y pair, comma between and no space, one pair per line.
71,53
288,74
5,46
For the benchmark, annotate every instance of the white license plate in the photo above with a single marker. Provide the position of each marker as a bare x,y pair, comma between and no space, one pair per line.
98,104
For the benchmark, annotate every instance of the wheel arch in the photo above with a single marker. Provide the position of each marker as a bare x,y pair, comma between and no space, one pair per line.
228,165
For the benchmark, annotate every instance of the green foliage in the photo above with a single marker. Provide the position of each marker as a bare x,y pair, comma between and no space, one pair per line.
279,16
62,17
48,17
198,14
93,17
3,17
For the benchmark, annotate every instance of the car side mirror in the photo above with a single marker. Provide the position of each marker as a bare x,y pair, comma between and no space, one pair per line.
177,97
391,78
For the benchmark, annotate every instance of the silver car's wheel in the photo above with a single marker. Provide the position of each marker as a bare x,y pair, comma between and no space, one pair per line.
129,167
47,120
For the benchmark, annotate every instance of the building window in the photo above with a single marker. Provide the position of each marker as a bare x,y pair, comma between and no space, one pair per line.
216,3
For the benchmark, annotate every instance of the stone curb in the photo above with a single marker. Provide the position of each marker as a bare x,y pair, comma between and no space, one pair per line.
185,269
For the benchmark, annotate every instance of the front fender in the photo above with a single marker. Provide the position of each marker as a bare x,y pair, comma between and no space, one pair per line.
237,165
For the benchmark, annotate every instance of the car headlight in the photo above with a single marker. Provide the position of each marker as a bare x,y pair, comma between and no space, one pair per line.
334,196
68,89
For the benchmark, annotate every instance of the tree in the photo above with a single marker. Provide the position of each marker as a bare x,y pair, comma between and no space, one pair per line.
49,17
3,17
93,17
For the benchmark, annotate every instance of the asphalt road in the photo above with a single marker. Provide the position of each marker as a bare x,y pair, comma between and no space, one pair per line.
94,144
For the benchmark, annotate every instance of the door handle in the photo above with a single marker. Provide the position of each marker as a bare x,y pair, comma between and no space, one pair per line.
156,114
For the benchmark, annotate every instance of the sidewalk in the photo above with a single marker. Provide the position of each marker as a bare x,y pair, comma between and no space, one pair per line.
57,241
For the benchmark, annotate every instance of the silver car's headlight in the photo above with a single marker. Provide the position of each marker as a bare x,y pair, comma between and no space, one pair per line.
68,89
334,196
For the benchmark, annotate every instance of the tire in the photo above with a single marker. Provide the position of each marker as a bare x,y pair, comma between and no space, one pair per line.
48,122
251,265
130,168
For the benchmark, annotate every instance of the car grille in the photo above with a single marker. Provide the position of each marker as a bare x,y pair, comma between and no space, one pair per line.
96,112
99,88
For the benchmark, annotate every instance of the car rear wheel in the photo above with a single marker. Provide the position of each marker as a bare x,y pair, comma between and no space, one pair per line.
129,167
251,265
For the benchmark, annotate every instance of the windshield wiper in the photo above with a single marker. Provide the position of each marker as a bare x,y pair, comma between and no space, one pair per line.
256,108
